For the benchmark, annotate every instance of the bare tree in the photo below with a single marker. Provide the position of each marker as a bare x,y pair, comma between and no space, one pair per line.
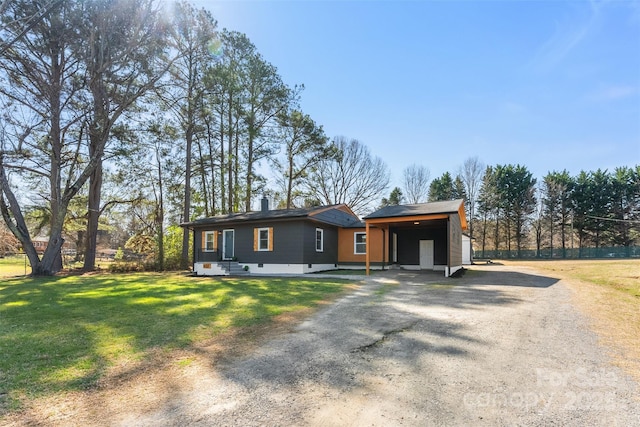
416,183
471,174
353,177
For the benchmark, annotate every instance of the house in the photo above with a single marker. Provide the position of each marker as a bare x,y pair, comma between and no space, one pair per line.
41,242
422,236
271,241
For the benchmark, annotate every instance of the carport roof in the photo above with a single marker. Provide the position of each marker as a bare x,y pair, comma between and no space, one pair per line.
443,207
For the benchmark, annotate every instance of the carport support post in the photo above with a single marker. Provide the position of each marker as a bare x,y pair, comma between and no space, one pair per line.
367,247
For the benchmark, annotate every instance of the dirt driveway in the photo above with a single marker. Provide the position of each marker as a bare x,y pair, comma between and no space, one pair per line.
500,346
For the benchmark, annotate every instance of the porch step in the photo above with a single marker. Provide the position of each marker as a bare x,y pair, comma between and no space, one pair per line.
232,268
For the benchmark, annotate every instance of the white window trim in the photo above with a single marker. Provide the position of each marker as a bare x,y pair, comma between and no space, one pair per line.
206,238
355,243
321,240
260,249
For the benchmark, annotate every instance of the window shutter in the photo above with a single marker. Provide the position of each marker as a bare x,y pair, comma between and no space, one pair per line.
271,238
203,238
256,237
215,240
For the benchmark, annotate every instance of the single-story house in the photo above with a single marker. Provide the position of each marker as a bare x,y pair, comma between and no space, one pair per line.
422,236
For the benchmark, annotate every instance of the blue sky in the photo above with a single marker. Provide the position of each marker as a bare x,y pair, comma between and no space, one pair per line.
549,84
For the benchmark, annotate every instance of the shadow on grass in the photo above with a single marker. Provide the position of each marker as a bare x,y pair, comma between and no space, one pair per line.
65,333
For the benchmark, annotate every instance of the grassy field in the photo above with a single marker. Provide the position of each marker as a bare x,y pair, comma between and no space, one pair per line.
14,266
620,275
67,333
608,292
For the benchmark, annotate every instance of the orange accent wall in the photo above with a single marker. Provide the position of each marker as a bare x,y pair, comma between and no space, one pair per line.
346,245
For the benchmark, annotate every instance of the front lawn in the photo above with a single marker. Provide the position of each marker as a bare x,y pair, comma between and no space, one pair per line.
14,265
66,333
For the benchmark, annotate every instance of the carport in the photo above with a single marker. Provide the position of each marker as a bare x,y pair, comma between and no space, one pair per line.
425,236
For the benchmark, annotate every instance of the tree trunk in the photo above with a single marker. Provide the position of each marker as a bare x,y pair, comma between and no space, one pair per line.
186,214
222,165
212,166
551,233
249,176
93,216
484,234
230,188
290,183
55,179
203,178
160,215
236,173
496,232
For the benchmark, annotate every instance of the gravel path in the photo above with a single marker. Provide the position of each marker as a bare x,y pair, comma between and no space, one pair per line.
496,347
500,346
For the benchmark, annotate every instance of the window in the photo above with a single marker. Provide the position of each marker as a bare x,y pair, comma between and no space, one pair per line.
360,243
209,241
263,239
319,239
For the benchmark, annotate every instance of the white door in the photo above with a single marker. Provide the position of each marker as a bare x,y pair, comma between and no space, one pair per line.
227,244
426,254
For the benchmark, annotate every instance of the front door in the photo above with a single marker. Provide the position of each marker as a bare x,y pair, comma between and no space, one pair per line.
227,244
426,254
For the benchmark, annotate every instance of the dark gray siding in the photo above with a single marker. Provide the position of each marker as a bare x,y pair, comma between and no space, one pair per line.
200,255
330,253
455,240
287,244
409,242
293,243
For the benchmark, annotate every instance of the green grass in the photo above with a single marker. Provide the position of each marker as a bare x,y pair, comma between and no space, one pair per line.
621,275
65,333
13,266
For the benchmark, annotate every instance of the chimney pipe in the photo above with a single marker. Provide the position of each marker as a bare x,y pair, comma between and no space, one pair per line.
264,204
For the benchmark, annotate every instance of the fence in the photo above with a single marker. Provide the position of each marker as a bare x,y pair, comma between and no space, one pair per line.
558,253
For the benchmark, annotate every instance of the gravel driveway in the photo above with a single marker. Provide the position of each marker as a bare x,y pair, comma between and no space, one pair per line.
499,346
